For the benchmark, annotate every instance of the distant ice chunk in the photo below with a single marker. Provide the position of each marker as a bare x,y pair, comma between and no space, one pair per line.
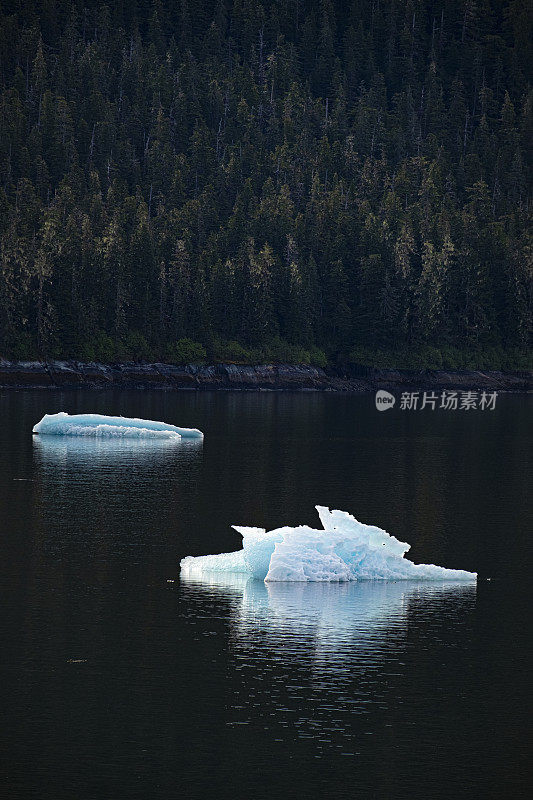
344,550
99,425
232,563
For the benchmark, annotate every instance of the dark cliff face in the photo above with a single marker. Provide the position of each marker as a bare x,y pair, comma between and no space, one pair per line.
264,377
167,376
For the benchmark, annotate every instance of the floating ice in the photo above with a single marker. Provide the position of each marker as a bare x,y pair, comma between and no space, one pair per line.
64,424
345,550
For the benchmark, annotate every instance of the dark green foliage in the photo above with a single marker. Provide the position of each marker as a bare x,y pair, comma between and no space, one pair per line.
185,351
237,181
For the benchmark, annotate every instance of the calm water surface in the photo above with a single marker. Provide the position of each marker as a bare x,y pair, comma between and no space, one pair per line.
117,683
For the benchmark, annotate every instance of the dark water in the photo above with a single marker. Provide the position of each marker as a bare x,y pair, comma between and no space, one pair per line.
118,684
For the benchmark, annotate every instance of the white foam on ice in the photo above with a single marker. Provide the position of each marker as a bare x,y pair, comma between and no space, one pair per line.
99,425
344,550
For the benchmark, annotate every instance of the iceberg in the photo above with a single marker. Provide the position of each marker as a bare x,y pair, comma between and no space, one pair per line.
344,550
99,425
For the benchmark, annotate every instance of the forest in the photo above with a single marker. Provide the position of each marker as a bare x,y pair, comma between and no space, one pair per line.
302,181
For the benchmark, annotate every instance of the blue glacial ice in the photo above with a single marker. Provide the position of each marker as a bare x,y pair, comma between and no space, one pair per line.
99,425
344,550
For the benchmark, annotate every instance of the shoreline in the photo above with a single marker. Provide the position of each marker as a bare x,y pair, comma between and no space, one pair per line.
357,379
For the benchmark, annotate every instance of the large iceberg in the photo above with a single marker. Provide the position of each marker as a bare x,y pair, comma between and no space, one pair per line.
344,550
99,425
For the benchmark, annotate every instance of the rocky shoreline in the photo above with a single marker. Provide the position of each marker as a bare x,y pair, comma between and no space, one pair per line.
265,377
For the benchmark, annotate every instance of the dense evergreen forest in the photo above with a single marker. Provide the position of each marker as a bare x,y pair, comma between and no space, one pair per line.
291,180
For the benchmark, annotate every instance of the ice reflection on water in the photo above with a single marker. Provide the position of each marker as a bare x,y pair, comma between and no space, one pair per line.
86,452
100,496
333,649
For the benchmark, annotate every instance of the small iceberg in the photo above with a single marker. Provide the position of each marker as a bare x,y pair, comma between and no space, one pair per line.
99,425
344,550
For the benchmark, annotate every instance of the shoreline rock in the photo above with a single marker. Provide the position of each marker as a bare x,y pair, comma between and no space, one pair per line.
264,377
